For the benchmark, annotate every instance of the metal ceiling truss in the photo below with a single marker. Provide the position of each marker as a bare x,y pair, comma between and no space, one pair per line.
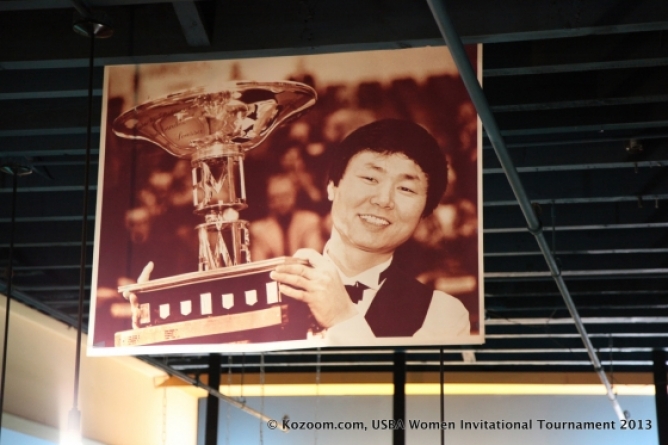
570,92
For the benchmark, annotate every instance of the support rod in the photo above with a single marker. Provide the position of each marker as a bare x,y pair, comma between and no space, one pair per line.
442,394
478,98
10,272
399,399
661,394
84,227
212,402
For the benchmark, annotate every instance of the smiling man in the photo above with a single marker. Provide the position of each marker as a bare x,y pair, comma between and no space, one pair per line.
385,177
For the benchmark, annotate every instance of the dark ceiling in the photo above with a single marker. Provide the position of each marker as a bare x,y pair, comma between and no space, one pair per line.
578,89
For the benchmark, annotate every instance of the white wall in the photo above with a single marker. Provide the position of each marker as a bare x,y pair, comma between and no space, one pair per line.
122,405
241,428
120,400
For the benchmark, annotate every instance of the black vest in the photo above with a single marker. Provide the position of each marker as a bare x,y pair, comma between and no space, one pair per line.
400,306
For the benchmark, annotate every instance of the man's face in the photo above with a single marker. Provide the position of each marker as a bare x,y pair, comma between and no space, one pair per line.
281,194
379,201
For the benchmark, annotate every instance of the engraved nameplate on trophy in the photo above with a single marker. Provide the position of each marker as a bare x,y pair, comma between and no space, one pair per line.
229,296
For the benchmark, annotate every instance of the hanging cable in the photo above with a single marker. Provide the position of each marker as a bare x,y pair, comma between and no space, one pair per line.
84,223
75,415
92,28
15,172
229,391
262,422
242,399
442,381
317,396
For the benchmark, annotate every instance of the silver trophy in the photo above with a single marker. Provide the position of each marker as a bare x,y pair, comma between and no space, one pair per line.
214,128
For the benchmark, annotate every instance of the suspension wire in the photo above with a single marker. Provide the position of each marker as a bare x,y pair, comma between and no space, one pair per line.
317,395
243,375
10,272
229,391
84,225
262,422
442,381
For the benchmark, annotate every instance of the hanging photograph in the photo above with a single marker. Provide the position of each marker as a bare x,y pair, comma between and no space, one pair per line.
288,202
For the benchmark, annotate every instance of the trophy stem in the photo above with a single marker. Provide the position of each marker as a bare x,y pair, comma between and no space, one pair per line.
219,193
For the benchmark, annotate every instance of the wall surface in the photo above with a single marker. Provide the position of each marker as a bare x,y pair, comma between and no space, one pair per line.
122,404
120,400
238,428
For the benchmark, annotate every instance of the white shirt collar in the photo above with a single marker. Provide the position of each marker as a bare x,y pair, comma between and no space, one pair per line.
370,277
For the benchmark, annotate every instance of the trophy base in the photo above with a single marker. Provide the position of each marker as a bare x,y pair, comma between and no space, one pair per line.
237,304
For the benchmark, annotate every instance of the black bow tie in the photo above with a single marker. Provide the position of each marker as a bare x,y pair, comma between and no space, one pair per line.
355,291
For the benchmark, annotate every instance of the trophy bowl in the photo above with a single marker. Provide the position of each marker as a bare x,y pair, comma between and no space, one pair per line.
214,127
237,114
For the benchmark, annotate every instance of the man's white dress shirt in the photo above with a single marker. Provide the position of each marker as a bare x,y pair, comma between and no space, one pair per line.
446,318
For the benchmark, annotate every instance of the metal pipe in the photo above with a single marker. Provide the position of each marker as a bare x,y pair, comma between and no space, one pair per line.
660,396
578,273
84,231
10,272
478,98
656,225
399,398
442,398
212,402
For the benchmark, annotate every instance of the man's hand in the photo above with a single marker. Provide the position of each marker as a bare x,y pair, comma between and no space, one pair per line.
132,297
318,286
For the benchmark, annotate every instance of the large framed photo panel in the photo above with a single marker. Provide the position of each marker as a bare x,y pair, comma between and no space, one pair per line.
288,202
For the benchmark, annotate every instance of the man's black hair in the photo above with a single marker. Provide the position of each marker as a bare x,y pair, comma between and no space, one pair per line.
389,136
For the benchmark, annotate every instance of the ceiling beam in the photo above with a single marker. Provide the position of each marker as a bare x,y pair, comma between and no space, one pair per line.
568,68
568,320
566,140
576,167
597,128
549,335
580,103
41,219
50,189
577,273
48,131
48,245
593,52
577,89
63,94
517,362
649,198
575,252
21,5
147,32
